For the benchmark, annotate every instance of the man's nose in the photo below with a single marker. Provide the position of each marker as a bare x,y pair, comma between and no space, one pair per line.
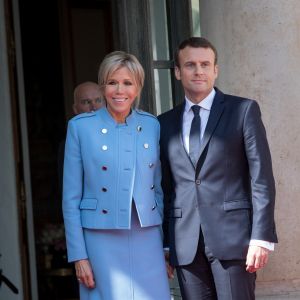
93,105
198,69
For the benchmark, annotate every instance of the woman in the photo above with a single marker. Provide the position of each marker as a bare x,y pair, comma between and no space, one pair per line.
112,201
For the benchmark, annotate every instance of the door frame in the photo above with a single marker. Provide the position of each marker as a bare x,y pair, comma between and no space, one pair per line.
23,179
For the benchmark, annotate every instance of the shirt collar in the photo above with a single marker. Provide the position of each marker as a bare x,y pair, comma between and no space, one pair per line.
206,103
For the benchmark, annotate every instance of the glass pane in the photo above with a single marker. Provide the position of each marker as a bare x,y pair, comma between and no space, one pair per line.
196,17
159,30
163,90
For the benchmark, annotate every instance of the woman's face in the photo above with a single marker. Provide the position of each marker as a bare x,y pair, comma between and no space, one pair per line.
120,92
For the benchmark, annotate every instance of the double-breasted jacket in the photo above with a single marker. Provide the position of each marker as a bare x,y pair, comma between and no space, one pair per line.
107,166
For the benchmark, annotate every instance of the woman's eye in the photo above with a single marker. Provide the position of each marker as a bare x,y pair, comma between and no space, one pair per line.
127,83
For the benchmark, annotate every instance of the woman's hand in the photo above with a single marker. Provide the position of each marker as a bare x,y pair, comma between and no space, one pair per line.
84,273
170,269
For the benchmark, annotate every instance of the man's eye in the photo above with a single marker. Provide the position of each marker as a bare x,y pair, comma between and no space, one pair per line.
189,65
85,101
98,100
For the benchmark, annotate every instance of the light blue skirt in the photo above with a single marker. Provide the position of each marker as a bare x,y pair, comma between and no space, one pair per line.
127,264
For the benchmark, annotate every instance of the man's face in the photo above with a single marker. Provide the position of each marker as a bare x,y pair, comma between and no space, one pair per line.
197,72
88,98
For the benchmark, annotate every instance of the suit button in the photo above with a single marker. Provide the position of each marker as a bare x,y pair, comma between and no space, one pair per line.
152,186
104,211
104,189
198,181
104,168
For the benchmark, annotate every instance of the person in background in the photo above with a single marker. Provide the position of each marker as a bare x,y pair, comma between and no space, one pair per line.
112,197
87,98
218,183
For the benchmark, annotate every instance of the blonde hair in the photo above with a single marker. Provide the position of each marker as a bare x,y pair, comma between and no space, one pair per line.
117,60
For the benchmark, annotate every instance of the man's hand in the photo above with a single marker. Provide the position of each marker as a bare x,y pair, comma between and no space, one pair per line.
170,269
84,273
257,258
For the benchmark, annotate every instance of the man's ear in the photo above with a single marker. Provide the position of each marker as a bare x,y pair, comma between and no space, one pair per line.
74,109
216,70
177,73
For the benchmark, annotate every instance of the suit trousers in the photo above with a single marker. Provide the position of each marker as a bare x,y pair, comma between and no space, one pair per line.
208,278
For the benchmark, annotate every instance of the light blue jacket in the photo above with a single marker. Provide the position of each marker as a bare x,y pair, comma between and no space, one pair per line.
106,166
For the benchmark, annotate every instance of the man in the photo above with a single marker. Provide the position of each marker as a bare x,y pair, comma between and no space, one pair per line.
218,183
87,98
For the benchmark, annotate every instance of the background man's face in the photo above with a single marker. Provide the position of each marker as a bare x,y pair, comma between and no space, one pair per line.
197,72
88,98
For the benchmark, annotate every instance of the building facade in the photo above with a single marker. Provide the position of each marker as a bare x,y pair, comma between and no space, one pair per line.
46,49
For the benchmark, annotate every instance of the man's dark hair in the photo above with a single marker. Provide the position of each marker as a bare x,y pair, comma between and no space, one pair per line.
194,42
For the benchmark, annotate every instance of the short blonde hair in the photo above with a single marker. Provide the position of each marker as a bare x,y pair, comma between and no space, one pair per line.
117,60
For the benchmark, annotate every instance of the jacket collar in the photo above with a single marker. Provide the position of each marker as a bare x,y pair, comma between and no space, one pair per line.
104,115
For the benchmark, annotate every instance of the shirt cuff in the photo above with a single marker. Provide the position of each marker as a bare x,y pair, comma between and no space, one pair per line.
268,245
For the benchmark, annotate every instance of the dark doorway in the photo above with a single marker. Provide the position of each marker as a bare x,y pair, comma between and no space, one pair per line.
63,43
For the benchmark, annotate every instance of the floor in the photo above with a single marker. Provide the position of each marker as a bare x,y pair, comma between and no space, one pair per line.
265,291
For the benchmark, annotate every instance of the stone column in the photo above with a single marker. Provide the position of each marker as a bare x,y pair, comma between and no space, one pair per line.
259,57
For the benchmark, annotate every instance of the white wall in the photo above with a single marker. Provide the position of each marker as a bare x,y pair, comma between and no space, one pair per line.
259,49
9,242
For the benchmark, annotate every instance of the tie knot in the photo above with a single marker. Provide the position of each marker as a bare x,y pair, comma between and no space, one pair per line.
196,109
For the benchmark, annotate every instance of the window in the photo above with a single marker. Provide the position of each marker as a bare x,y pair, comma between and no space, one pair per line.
171,22
161,57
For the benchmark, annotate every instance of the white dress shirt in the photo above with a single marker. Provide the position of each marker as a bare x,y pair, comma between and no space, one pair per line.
188,115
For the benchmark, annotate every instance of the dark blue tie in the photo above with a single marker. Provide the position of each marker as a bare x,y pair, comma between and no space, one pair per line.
194,144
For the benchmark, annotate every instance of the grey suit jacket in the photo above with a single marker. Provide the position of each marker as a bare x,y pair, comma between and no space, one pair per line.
231,192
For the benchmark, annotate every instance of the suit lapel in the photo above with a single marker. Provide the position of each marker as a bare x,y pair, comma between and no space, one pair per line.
214,117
